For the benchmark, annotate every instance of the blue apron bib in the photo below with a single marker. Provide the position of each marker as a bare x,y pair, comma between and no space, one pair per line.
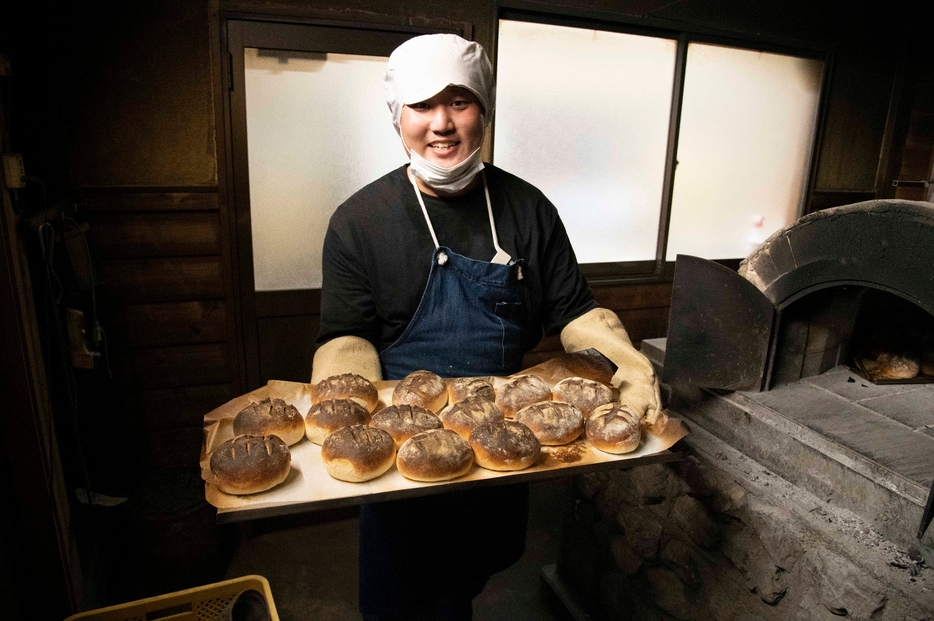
466,324
412,551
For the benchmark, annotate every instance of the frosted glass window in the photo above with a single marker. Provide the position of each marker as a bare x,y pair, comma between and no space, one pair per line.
318,130
583,115
747,131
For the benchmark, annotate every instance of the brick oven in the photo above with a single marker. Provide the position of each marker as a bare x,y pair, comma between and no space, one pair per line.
813,296
804,482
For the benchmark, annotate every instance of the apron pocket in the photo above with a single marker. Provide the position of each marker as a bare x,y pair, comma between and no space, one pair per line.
509,315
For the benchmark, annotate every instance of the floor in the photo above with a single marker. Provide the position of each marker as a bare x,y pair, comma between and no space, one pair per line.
312,566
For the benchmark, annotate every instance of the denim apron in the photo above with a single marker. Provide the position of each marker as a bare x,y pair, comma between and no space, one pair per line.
415,551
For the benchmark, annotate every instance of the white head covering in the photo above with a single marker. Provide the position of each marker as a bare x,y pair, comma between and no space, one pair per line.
424,66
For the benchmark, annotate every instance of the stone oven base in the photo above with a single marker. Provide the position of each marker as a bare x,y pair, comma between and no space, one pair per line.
862,447
773,514
719,537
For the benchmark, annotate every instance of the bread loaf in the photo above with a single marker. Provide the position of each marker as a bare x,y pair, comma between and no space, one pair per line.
326,417
437,455
346,386
404,421
891,366
358,453
250,464
553,422
521,391
586,394
614,428
270,417
422,388
504,445
462,417
467,387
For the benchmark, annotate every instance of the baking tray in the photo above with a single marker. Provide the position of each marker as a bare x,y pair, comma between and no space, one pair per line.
308,486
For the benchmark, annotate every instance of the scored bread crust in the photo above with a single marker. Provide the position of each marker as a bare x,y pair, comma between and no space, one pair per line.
250,464
463,416
270,417
504,445
437,455
586,394
326,417
404,421
553,422
421,388
521,391
346,386
614,428
358,453
467,387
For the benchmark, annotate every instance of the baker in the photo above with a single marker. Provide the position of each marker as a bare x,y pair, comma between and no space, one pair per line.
455,266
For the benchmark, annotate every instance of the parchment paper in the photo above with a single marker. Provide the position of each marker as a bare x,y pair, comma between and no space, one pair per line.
309,487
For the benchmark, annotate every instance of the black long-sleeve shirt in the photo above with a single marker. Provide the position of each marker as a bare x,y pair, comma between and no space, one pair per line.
378,249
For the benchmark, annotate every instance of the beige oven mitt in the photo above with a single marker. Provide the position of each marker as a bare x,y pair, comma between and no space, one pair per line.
635,378
346,354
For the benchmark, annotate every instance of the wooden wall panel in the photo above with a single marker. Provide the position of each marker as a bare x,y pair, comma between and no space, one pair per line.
134,281
96,200
646,295
182,406
171,448
160,268
139,93
148,325
917,162
642,308
155,234
644,323
286,347
182,365
857,108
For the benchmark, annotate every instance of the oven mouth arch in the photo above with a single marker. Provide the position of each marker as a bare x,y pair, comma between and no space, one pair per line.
724,324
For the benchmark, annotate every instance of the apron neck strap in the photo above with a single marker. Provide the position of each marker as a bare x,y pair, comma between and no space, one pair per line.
489,209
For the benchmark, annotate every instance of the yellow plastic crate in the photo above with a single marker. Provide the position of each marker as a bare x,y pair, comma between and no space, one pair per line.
204,603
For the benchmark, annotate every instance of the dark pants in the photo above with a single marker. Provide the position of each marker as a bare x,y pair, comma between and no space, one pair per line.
452,607
434,554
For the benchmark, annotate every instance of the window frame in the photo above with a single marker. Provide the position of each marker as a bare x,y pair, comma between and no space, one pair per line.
240,31
609,273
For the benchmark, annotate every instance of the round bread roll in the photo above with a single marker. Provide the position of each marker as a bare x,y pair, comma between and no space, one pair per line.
586,394
270,417
467,387
462,417
358,453
504,445
437,455
326,417
250,464
614,428
404,421
891,366
521,391
553,422
346,386
422,388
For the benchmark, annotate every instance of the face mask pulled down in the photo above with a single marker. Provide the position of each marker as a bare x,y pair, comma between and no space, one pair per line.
453,179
